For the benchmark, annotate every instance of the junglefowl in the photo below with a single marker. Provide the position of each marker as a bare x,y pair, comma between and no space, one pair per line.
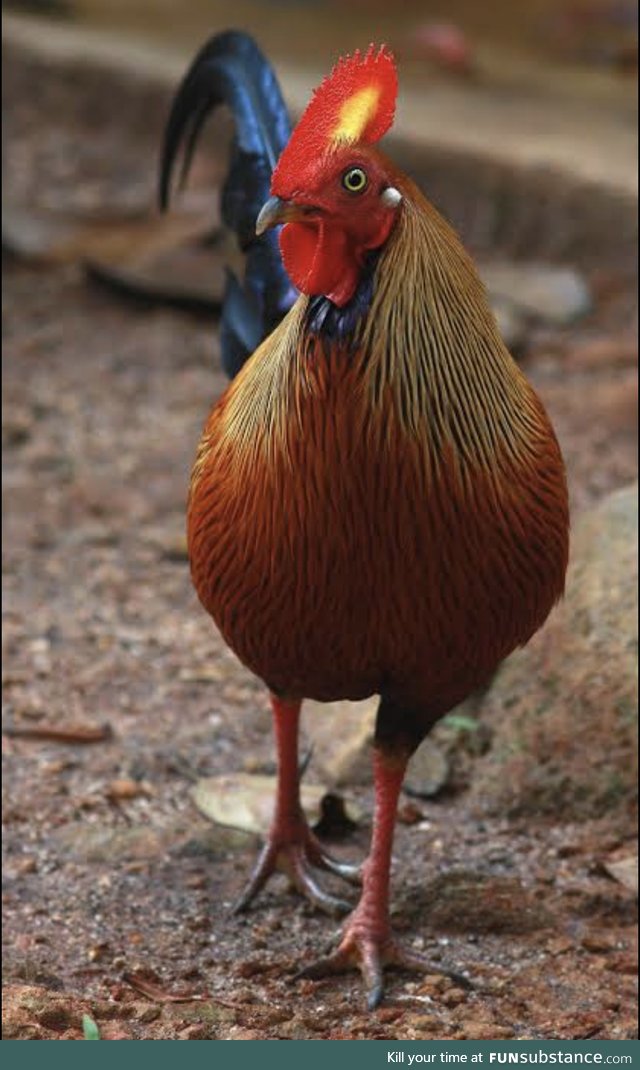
378,504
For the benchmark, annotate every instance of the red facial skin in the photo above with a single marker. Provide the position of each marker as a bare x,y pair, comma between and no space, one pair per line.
324,252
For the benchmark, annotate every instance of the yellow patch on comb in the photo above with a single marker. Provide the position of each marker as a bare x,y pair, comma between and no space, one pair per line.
355,114
353,106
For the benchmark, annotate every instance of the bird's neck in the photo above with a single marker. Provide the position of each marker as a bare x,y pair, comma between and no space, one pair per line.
417,350
430,345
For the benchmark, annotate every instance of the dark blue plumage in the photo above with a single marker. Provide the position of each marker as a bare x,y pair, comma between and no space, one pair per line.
231,70
335,324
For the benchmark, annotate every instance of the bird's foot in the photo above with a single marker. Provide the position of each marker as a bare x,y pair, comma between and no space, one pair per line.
295,856
365,947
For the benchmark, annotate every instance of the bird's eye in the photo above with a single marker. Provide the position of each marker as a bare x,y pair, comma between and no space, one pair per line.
354,180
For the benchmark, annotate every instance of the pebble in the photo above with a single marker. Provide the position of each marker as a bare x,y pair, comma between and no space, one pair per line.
598,942
453,997
428,771
238,1032
127,789
478,1030
555,295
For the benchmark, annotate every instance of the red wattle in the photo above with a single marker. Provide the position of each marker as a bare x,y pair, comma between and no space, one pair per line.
320,260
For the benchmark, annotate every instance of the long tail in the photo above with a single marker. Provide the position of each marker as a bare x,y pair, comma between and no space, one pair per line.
231,70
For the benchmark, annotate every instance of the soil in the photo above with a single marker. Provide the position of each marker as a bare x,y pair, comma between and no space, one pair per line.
116,891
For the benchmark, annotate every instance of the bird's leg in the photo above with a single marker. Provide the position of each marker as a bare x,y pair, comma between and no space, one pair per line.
367,941
291,846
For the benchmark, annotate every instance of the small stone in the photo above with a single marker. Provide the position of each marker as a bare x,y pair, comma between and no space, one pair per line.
453,997
204,674
556,295
624,963
409,814
343,755
428,771
98,952
114,1032
198,1031
127,789
21,867
389,1014
559,945
478,1030
145,1012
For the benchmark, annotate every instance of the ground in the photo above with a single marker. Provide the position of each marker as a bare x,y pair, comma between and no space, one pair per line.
116,891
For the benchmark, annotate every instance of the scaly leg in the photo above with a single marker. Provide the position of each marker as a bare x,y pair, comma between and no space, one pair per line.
291,846
367,941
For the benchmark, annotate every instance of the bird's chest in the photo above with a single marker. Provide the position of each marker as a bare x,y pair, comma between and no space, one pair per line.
337,552
296,529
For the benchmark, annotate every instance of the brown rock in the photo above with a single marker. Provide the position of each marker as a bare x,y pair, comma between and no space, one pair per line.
564,710
342,736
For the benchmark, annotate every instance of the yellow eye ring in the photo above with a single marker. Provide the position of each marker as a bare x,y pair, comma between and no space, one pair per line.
355,180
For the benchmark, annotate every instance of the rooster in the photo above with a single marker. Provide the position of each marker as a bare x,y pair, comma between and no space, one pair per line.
378,504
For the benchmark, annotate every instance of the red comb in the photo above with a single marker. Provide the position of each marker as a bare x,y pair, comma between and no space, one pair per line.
356,104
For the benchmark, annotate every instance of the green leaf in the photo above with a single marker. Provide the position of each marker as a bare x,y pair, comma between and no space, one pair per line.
461,722
89,1028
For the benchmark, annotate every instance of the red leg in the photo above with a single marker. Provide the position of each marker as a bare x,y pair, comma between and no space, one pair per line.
367,941
291,846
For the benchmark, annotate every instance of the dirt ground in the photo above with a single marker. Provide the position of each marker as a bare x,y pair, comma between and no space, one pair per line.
116,891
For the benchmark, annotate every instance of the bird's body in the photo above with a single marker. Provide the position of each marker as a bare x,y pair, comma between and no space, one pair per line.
368,517
378,503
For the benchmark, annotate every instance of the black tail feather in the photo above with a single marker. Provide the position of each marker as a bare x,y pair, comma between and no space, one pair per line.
230,70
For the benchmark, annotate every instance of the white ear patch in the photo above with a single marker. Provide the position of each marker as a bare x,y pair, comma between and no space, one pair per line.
391,197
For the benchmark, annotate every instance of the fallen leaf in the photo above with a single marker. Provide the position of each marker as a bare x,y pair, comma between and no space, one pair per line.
245,801
625,871
89,1028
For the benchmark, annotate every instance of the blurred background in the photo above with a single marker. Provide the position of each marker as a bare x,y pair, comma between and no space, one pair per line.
123,711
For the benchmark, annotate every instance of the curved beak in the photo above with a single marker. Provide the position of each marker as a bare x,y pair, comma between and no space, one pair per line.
276,211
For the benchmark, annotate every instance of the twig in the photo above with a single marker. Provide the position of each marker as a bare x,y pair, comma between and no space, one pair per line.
75,734
159,995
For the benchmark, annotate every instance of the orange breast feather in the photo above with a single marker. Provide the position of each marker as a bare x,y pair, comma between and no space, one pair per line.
341,555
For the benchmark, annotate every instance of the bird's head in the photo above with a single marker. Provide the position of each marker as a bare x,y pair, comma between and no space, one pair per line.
332,189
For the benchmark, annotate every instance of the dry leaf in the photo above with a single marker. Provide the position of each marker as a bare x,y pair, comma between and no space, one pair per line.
245,800
625,871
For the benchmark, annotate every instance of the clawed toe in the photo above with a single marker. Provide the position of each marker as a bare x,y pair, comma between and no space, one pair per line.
318,857
370,955
296,860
